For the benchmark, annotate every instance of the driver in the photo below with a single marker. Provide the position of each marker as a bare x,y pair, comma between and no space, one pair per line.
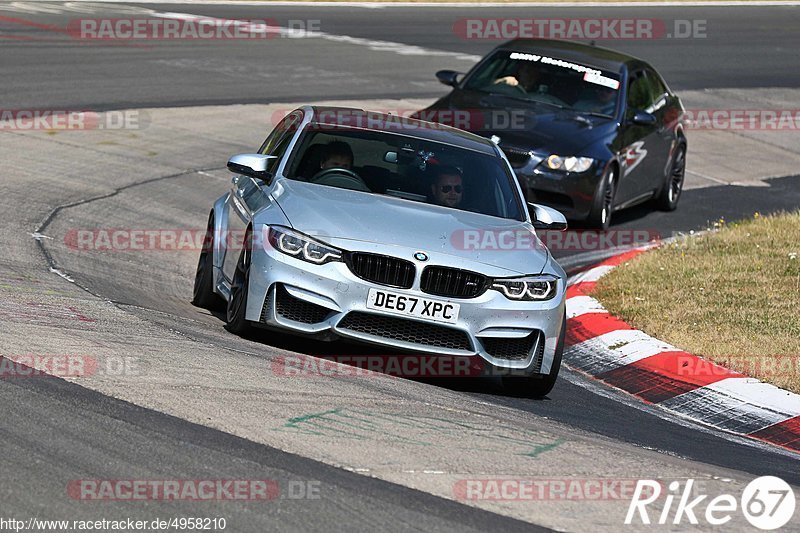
528,78
447,188
337,154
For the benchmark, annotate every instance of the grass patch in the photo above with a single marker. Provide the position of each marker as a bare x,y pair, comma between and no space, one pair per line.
731,295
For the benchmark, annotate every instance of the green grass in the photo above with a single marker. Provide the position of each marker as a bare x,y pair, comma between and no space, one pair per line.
731,295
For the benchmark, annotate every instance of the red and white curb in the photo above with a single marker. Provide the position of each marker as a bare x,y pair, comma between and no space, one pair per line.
608,349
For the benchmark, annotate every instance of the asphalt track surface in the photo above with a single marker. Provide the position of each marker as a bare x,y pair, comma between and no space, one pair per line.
741,47
50,424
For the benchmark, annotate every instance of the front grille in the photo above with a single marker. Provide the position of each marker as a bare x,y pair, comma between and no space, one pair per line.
400,329
452,282
291,308
382,269
514,349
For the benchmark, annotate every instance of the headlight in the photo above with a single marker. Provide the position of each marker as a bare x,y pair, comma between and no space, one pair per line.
302,246
529,288
568,164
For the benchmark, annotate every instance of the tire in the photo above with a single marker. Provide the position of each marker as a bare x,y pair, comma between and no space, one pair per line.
203,294
667,200
237,303
600,214
537,386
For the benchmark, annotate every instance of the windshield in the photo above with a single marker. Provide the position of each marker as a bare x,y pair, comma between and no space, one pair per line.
548,80
406,167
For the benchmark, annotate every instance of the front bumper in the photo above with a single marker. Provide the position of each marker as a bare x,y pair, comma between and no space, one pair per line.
329,301
571,193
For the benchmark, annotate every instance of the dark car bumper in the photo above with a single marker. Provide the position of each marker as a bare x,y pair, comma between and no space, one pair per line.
571,193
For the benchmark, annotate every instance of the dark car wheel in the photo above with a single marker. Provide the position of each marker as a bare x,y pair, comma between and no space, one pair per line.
538,386
203,294
671,193
600,214
237,303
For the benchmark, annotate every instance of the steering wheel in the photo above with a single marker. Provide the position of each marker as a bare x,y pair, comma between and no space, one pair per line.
340,177
548,99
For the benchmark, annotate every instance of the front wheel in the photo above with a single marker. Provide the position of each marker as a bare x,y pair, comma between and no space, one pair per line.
600,214
538,386
237,303
671,193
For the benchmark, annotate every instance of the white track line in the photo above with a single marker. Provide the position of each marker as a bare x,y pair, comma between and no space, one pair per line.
581,305
593,274
613,350
373,44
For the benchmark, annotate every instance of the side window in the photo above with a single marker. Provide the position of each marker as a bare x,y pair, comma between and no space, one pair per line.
657,90
639,96
279,139
280,150
287,126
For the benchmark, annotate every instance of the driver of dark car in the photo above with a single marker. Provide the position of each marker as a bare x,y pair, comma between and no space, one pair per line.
528,78
337,154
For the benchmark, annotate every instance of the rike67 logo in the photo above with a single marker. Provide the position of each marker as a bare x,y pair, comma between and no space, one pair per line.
767,502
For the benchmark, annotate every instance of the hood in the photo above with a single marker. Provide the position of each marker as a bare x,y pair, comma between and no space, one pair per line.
372,222
536,126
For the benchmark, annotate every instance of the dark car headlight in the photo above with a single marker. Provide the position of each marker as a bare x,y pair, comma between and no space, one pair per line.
528,288
302,246
567,164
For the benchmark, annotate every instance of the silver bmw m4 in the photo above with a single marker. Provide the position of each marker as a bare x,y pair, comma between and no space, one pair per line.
390,231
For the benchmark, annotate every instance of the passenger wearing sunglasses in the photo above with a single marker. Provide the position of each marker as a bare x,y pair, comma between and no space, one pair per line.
447,188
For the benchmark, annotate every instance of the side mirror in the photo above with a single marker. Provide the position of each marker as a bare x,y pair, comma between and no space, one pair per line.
547,218
643,118
390,157
253,165
448,77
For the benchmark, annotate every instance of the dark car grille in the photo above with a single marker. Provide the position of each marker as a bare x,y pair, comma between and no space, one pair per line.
516,156
382,269
515,349
452,282
291,308
400,329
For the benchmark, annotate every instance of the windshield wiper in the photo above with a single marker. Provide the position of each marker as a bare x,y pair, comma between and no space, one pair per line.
528,100
592,113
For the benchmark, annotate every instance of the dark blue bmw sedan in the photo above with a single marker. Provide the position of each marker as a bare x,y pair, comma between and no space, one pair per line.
587,130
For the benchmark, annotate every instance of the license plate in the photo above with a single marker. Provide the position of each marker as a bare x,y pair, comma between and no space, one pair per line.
402,304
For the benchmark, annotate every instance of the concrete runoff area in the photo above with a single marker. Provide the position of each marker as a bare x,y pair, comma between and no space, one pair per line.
180,361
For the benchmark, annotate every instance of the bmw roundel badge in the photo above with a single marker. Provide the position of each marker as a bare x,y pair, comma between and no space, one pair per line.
421,256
